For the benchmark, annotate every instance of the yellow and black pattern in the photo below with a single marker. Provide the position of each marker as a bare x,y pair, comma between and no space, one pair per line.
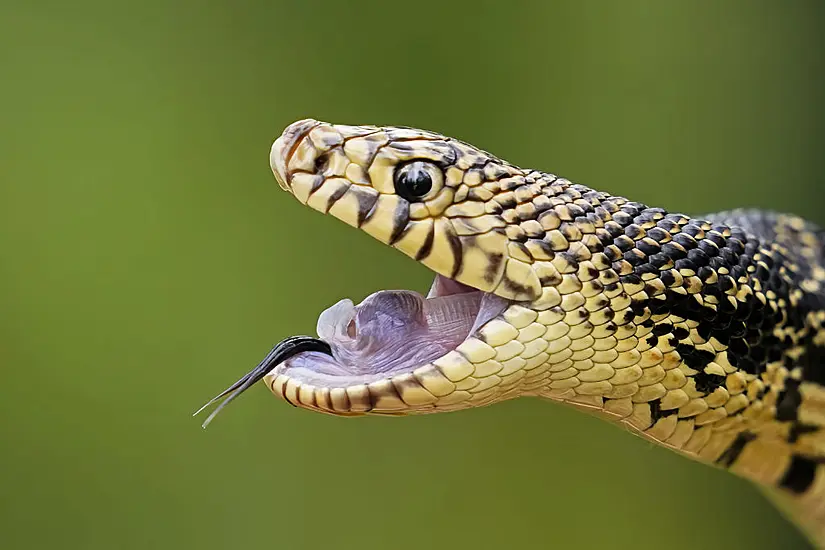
705,334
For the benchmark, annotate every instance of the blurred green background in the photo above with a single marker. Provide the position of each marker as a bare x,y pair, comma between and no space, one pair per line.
149,259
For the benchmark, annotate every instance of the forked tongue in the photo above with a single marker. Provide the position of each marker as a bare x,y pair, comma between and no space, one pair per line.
281,352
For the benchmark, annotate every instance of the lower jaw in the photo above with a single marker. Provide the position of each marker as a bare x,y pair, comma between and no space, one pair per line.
425,390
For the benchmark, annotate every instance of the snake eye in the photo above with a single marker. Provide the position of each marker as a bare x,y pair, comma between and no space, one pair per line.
418,180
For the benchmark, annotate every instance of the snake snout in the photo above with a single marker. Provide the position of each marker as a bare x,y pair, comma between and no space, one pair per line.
284,147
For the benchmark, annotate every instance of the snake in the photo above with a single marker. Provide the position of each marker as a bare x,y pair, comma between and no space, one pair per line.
703,334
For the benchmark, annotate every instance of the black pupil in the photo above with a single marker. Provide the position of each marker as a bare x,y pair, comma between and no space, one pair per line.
413,182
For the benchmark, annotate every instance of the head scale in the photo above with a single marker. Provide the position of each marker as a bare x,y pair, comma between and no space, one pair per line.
451,206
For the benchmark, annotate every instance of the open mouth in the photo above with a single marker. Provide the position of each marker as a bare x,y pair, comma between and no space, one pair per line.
392,332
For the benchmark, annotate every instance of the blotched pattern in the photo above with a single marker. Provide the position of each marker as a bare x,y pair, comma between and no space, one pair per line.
704,334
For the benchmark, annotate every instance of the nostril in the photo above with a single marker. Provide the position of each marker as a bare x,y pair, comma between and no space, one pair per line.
321,163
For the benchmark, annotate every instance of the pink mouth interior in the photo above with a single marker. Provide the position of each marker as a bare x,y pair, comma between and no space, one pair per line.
393,331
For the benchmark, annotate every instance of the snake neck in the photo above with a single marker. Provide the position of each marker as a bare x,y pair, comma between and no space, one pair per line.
706,335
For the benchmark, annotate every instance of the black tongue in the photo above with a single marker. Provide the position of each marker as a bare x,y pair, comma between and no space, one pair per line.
281,352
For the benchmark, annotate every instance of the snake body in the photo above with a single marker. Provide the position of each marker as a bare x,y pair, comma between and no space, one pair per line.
703,334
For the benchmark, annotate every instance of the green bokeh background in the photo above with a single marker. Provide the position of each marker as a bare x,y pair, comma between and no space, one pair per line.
149,259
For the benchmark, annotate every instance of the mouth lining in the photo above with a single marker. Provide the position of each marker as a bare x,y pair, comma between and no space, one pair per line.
392,332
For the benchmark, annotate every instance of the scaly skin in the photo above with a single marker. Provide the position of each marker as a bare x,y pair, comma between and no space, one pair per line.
705,335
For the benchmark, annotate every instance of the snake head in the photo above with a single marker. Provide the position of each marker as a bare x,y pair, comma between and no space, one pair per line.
453,207
488,230
449,205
